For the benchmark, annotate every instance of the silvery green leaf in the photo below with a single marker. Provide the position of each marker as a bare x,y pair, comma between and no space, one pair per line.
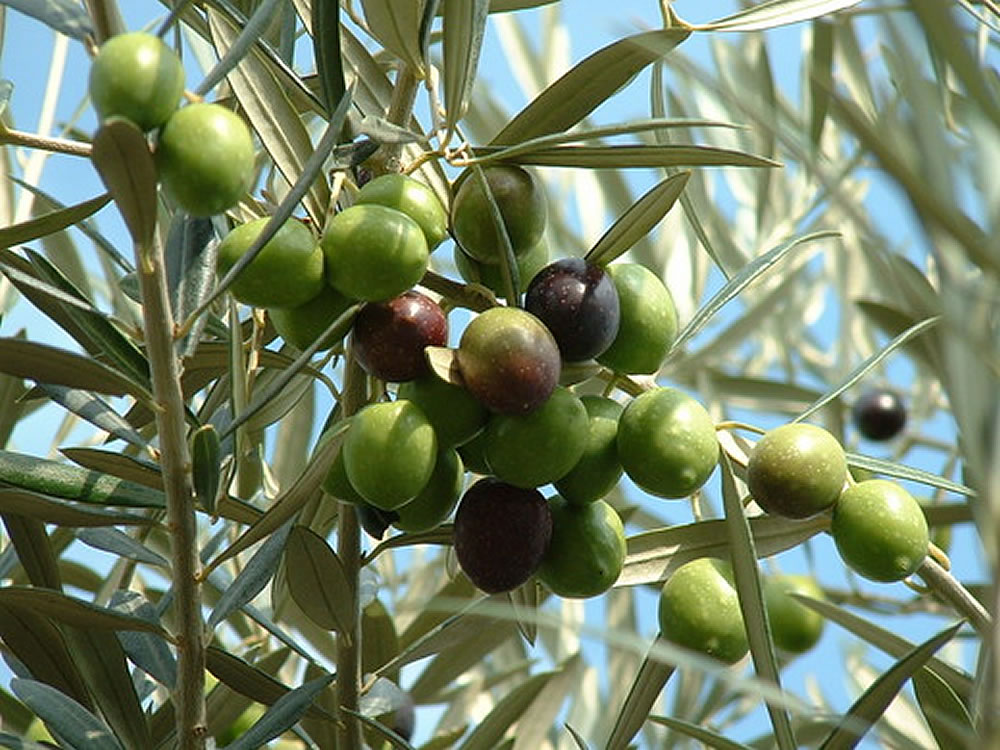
65,718
63,16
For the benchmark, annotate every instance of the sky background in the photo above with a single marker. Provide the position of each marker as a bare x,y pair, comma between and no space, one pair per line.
28,47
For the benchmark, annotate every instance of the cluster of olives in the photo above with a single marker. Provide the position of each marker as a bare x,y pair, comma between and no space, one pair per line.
504,416
204,152
797,471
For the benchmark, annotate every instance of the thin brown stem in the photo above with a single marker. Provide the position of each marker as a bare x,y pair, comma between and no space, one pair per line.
33,140
189,694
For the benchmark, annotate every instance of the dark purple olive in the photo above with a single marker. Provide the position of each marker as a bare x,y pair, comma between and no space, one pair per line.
880,414
375,520
501,534
389,337
508,360
578,302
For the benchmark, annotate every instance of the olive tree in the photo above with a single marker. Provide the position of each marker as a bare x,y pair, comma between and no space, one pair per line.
191,557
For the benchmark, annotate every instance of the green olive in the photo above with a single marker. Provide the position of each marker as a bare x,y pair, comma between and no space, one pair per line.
794,627
373,253
414,199
455,413
599,468
700,610
287,272
880,530
529,450
587,551
522,205
435,502
137,76
389,453
667,443
648,321
796,470
205,158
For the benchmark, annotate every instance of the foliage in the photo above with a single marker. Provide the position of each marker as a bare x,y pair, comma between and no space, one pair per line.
793,292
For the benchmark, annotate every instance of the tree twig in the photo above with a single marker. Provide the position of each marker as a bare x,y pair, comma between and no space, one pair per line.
189,694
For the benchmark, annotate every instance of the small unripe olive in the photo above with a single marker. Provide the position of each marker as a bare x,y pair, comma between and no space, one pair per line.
796,470
587,550
205,158
137,76
700,610
880,530
389,453
667,443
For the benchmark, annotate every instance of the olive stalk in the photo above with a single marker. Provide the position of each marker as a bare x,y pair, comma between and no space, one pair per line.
945,585
10,137
349,552
189,693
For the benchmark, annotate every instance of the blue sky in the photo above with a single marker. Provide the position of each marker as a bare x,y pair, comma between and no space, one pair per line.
28,46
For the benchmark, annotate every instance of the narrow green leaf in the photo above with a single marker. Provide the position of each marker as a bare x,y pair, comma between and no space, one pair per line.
283,715
901,471
820,69
122,545
589,84
251,681
190,268
654,555
92,408
66,719
239,47
889,642
63,513
273,117
205,465
47,364
747,275
646,688
743,554
310,173
147,651
638,220
867,709
101,660
252,578
577,738
73,483
52,222
945,713
327,54
319,584
464,29
40,646
86,226
71,611
130,468
776,13
19,743
122,157
508,711
868,365
75,313
396,25
537,719
634,156
894,322
707,736
34,550
64,16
